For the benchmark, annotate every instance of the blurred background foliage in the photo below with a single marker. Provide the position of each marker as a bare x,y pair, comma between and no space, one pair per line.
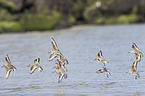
29,15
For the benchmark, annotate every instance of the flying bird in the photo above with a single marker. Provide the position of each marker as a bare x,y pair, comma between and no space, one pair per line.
35,66
134,71
101,59
105,71
55,52
9,67
61,72
136,51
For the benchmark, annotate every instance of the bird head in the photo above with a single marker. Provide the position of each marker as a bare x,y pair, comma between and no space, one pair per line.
96,59
130,72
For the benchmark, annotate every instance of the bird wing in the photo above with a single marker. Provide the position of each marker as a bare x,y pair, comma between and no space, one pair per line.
14,68
134,46
67,61
8,72
100,55
134,66
52,56
60,77
33,68
40,68
100,71
54,45
109,73
8,60
37,61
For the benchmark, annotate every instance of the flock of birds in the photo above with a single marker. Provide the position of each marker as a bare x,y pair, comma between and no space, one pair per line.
61,61
134,72
60,67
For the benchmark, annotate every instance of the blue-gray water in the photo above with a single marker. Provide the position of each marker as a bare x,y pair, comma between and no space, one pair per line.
80,46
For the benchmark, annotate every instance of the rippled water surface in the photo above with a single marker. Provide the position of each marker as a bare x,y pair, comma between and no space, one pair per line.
80,46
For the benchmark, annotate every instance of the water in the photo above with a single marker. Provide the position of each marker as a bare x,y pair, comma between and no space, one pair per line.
80,46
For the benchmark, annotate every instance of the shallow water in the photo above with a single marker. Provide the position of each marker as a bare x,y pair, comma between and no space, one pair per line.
80,46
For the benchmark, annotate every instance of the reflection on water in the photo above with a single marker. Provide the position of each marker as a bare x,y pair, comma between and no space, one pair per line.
105,88
80,46
61,93
136,94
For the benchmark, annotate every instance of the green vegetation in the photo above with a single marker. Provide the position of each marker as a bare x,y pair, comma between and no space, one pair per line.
100,21
9,3
123,19
71,20
40,21
12,26
127,19
29,15
5,15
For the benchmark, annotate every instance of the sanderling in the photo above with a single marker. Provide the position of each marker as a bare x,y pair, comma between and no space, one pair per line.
105,71
9,67
134,71
35,66
101,58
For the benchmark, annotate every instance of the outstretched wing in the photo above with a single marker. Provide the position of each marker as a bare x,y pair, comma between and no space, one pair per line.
54,45
100,55
8,73
7,59
134,46
52,56
37,60
99,71
134,66
40,69
66,61
60,77
33,68
14,68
